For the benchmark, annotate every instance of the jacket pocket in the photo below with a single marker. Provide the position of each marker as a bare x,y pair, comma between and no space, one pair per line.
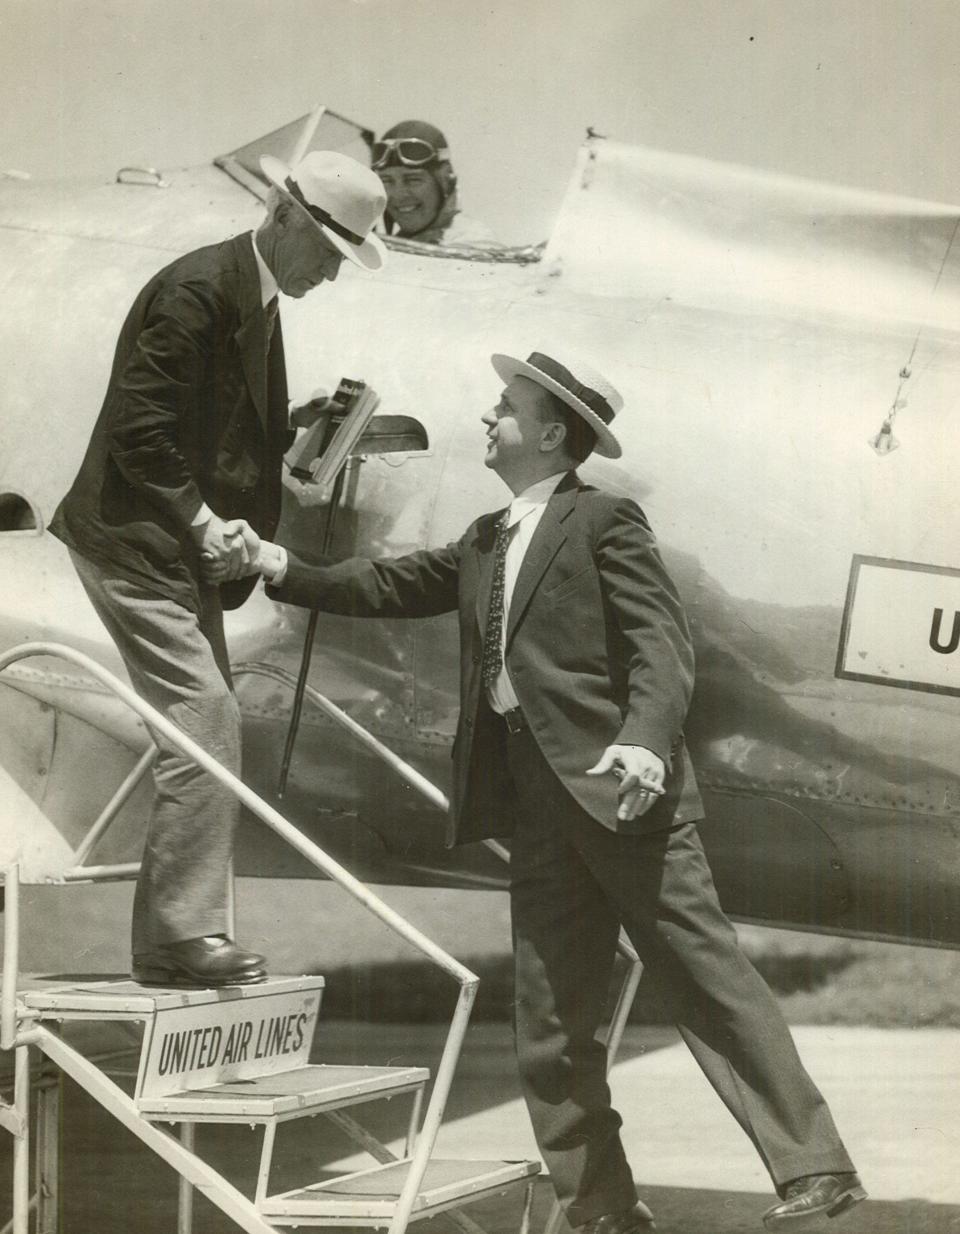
571,584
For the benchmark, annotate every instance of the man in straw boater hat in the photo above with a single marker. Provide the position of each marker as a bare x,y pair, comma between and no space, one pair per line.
183,463
576,674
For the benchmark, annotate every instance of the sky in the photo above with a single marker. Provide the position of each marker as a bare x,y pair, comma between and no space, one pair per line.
857,92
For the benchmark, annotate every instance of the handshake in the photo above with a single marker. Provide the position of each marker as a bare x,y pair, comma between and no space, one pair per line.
231,549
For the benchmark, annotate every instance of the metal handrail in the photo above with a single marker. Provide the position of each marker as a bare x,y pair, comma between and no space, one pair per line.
313,853
266,813
425,787
316,856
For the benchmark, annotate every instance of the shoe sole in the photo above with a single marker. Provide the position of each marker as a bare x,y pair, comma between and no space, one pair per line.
842,1204
180,980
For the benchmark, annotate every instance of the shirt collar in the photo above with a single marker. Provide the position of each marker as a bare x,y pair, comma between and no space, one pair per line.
536,495
268,284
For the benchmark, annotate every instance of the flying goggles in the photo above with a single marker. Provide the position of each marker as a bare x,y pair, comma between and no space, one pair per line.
408,151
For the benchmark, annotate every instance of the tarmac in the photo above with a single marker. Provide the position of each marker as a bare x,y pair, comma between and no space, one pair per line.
893,1093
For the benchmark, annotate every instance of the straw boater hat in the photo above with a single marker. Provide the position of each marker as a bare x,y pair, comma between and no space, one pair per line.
579,386
343,198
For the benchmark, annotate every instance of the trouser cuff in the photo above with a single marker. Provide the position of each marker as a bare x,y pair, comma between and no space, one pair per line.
837,1162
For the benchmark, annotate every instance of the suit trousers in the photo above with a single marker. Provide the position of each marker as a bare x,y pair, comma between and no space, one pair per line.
573,883
177,661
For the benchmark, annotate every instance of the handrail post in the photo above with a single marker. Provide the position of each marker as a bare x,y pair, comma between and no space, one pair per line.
435,1108
21,1141
11,957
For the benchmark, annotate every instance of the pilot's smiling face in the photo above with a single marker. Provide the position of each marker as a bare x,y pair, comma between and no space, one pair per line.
413,197
515,430
304,257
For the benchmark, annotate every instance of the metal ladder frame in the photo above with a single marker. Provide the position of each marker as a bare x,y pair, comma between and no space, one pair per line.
468,981
19,1038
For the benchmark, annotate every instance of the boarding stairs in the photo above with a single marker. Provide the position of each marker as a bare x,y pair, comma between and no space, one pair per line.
241,1054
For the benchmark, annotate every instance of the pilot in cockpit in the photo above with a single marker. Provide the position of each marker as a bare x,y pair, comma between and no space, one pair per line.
413,162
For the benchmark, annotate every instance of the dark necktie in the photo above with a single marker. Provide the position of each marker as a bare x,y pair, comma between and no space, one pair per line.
492,639
270,311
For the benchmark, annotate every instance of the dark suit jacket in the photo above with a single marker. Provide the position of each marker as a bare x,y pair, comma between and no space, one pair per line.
194,412
597,649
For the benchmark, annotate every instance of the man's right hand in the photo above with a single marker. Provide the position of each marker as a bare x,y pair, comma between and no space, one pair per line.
227,548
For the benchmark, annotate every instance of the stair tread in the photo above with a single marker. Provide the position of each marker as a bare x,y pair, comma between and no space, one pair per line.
310,1087
121,997
375,1191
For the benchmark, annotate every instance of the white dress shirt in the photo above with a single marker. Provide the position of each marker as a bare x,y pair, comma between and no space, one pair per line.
268,284
525,512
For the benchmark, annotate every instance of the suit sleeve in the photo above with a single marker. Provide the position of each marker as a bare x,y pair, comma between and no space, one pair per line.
653,633
157,389
422,584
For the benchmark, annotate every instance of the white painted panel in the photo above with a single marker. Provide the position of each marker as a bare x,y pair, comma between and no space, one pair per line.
902,625
237,1039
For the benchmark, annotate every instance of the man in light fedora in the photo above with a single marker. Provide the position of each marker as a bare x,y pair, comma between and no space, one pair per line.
576,673
184,460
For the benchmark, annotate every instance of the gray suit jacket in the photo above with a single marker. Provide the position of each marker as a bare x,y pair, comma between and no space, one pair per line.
597,648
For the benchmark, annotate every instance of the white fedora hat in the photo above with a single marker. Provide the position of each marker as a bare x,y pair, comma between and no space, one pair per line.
343,198
579,386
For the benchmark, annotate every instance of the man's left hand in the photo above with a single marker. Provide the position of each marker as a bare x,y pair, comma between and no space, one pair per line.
641,774
307,413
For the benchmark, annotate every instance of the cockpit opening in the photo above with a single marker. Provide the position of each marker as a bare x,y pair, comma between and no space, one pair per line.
322,129
17,514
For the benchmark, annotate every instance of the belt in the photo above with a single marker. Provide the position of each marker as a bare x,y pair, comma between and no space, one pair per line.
514,721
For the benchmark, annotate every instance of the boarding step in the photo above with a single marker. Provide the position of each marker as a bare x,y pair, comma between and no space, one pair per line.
313,1089
369,1197
121,998
195,1038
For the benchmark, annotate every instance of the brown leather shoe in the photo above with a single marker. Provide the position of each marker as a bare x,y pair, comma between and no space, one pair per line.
807,1199
635,1220
202,962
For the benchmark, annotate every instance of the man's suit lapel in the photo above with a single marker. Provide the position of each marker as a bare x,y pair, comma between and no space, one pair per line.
251,335
544,546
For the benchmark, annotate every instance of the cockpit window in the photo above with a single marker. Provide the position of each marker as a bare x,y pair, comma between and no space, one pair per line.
322,129
17,514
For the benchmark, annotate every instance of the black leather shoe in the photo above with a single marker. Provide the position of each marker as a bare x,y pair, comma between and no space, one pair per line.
210,961
635,1220
808,1198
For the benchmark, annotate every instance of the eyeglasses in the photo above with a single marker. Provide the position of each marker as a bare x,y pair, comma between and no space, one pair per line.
409,151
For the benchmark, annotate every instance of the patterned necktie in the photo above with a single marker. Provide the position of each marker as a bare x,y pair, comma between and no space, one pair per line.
492,639
270,313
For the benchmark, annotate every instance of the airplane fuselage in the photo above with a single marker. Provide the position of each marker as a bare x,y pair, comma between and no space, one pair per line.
819,574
